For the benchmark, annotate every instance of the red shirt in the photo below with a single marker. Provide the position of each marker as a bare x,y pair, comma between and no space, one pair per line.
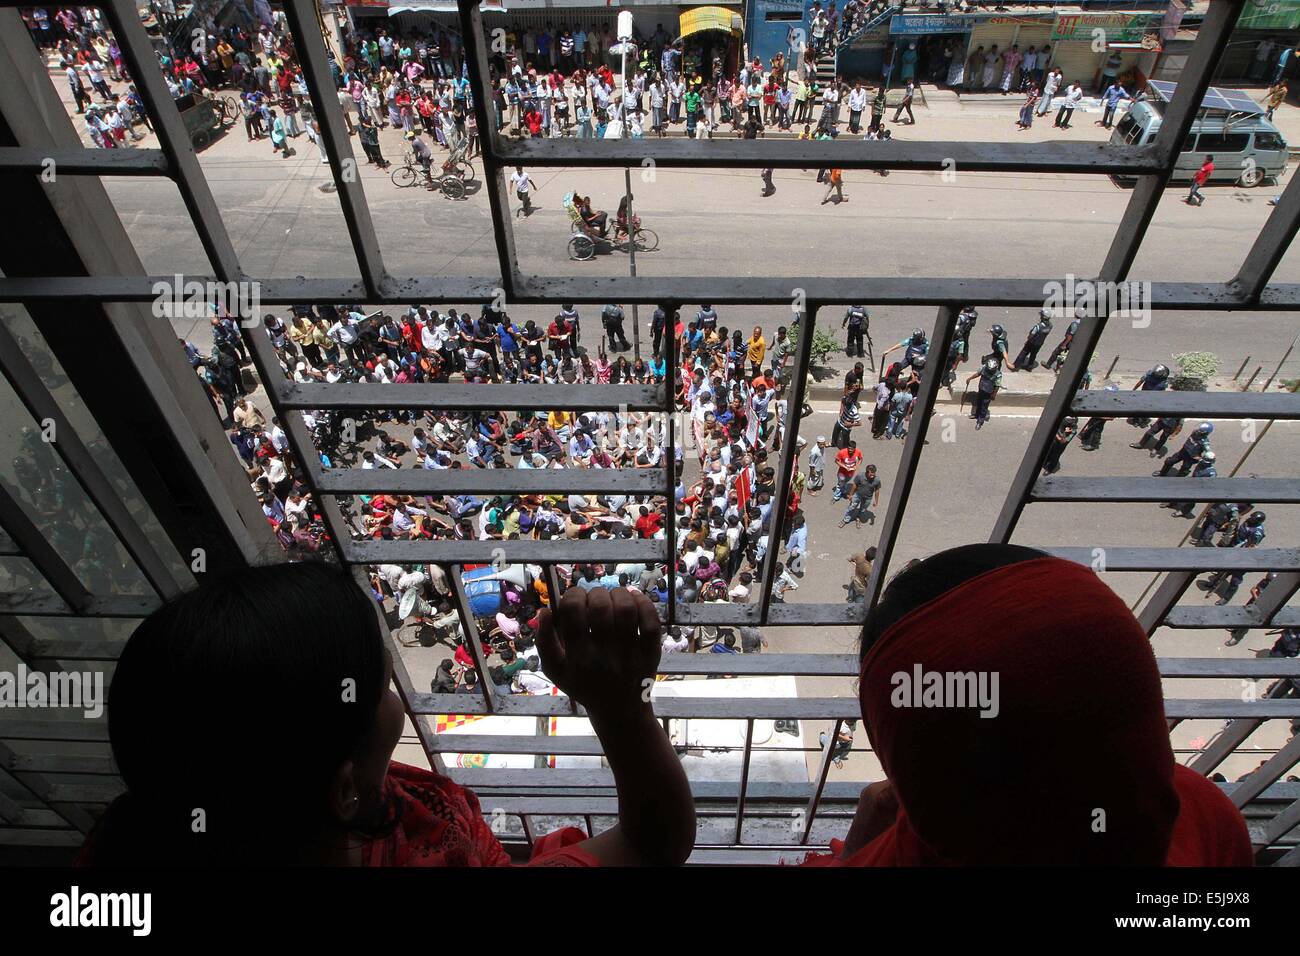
648,524
848,461
1203,173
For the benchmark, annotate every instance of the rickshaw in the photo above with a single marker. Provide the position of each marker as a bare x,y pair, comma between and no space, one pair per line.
584,243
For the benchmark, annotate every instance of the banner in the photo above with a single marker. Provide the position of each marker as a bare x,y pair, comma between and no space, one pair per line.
1270,15
1117,27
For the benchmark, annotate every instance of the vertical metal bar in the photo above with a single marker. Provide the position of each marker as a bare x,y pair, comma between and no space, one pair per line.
1261,778
1270,245
931,378
310,47
776,519
1141,209
553,586
295,430
670,466
470,628
29,387
1232,736
402,678
137,51
480,81
810,812
744,780
38,548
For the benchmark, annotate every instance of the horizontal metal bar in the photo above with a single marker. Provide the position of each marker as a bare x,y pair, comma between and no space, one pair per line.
1231,667
33,836
61,763
29,160
937,155
52,728
573,746
529,551
457,396
1231,709
876,290
1259,490
492,481
1181,559
1187,616
779,615
271,291
1284,405
41,605
105,791
650,290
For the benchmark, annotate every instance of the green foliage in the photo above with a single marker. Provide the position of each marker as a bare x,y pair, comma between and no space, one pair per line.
823,343
1202,365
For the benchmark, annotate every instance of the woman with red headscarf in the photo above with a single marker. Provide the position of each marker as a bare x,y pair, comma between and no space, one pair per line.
1055,751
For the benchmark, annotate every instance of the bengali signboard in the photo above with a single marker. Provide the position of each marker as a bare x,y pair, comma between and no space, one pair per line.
1118,27
1270,15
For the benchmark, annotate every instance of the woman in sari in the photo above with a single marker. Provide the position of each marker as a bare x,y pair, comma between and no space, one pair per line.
1075,767
206,709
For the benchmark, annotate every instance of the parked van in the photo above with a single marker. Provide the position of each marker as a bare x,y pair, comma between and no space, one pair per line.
1230,126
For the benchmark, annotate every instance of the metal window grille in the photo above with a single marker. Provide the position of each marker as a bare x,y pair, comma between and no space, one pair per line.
541,792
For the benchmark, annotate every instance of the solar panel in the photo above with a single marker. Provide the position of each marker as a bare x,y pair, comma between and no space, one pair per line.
1230,101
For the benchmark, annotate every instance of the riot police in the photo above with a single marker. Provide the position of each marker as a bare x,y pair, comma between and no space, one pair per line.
612,318
1064,435
990,375
1249,533
1197,444
1001,351
1161,430
857,320
1153,380
1219,517
1204,469
1027,360
1057,359
1090,437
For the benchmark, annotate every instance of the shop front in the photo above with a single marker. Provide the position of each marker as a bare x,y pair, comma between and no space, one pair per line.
711,41
936,44
1123,44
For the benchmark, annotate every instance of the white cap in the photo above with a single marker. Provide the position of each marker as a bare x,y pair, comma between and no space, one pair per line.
821,439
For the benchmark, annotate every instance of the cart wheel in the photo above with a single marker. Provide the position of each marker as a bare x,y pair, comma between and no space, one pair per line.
230,109
647,240
581,247
453,188
465,171
404,176
200,139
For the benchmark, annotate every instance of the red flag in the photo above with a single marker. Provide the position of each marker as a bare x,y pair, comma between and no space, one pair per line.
743,490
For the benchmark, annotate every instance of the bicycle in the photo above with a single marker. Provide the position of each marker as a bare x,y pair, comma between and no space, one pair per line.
643,240
449,183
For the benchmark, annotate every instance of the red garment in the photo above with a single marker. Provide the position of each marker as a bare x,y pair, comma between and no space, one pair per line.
1079,731
442,825
1203,173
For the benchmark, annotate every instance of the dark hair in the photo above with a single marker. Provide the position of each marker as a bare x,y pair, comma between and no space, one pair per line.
922,582
205,695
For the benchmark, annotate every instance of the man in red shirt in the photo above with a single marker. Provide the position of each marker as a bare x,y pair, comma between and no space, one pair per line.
1194,196
846,461
648,523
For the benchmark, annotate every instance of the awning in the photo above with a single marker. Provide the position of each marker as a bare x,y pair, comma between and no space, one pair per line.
709,18
440,6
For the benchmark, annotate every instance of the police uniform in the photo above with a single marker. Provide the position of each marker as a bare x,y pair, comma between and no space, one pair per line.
1159,432
1052,463
1027,360
989,379
1217,518
855,319
612,317
1057,358
1197,444
1203,469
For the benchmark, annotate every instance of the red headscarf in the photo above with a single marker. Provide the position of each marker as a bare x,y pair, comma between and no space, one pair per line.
1074,768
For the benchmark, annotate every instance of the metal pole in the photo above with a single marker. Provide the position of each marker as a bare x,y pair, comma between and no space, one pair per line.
1286,355
1112,367
1244,363
1250,381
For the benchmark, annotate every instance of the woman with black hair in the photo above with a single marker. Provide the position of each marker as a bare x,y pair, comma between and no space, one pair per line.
252,722
1015,705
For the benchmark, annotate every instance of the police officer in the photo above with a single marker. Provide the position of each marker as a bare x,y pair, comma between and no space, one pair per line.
914,345
955,356
1154,380
707,318
1064,435
1027,360
1197,444
658,324
1160,432
1090,437
1237,633
1220,516
612,318
1057,359
1248,534
1001,351
989,374
856,320
1204,469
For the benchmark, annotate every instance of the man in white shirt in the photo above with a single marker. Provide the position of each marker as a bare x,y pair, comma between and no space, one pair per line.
857,102
1072,97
